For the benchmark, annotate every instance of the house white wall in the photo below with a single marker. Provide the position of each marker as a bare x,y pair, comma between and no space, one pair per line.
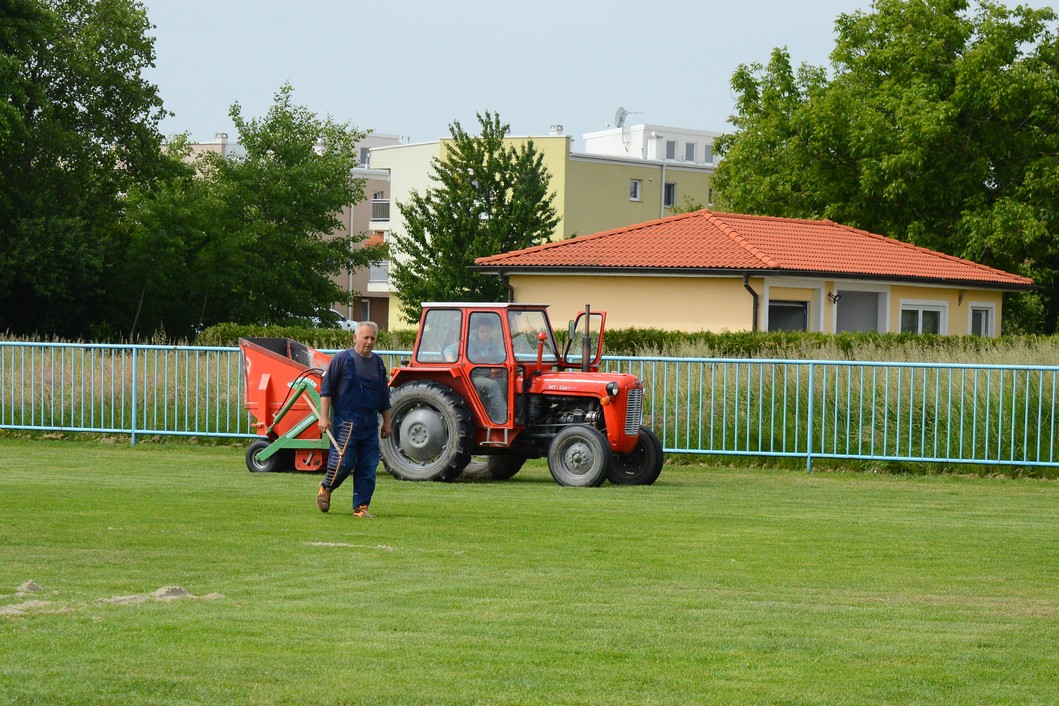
409,169
649,142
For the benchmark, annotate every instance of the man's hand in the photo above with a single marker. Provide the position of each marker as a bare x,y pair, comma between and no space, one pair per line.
325,416
384,430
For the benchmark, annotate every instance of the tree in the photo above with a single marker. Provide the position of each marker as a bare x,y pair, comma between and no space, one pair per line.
78,128
248,239
690,205
939,127
492,197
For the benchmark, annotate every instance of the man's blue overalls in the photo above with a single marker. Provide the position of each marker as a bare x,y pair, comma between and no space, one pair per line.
355,409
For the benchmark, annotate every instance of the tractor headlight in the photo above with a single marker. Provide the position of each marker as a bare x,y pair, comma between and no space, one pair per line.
612,389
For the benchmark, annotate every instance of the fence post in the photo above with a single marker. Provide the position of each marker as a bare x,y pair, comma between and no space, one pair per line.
809,424
134,388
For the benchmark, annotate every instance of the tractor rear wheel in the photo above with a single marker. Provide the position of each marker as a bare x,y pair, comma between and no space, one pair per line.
642,465
493,467
432,433
579,456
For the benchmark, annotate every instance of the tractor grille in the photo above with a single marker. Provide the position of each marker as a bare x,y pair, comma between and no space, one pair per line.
634,412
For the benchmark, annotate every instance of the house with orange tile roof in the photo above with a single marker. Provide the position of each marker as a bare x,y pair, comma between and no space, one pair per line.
709,271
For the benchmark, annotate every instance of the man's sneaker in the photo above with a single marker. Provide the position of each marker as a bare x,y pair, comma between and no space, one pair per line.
323,499
362,511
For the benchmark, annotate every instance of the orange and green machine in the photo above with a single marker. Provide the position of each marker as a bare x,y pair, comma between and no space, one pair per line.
283,394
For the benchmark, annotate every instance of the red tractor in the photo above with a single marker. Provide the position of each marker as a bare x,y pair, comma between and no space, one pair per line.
488,381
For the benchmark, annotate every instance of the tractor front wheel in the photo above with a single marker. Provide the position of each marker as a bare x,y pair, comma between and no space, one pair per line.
578,456
642,465
432,433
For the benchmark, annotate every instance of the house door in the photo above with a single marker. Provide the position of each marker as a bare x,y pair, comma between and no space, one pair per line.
857,311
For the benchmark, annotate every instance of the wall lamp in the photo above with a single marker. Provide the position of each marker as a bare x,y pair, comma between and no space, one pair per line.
834,297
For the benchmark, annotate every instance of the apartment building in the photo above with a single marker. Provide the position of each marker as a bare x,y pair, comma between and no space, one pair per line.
626,175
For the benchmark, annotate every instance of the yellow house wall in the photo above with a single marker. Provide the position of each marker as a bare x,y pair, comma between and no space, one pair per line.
795,294
721,303
554,152
410,170
957,303
598,197
592,194
670,303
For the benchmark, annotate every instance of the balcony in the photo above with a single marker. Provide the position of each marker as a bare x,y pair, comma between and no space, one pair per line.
379,273
380,209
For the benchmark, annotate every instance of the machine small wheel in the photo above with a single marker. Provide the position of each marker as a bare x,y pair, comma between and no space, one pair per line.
272,464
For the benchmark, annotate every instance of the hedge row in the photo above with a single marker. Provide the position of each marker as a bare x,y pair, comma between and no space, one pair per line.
326,338
740,344
795,344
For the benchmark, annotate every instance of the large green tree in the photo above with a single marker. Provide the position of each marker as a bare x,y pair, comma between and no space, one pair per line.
251,238
938,125
491,197
78,129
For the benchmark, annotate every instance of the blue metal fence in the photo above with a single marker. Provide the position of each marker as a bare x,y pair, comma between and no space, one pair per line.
907,412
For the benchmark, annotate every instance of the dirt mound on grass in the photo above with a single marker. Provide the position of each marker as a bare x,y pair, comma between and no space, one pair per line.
27,588
165,593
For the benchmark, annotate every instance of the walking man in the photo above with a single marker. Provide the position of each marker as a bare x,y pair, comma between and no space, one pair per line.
352,396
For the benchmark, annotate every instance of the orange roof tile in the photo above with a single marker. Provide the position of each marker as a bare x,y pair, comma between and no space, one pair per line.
708,241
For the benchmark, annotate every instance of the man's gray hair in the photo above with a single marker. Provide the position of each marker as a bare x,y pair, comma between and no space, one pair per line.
374,326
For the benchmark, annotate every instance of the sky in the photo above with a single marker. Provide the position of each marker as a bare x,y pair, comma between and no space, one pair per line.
412,67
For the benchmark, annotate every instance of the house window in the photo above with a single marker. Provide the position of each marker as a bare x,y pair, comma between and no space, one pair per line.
365,309
922,318
689,152
788,316
709,154
635,187
982,317
671,149
670,195
365,156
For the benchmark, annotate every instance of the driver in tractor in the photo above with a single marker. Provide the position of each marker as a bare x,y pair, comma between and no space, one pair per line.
484,348
491,384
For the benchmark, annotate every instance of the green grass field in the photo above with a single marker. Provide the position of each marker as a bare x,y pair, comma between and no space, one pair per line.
712,586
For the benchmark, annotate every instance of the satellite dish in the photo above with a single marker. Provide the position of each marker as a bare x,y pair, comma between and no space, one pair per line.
619,117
